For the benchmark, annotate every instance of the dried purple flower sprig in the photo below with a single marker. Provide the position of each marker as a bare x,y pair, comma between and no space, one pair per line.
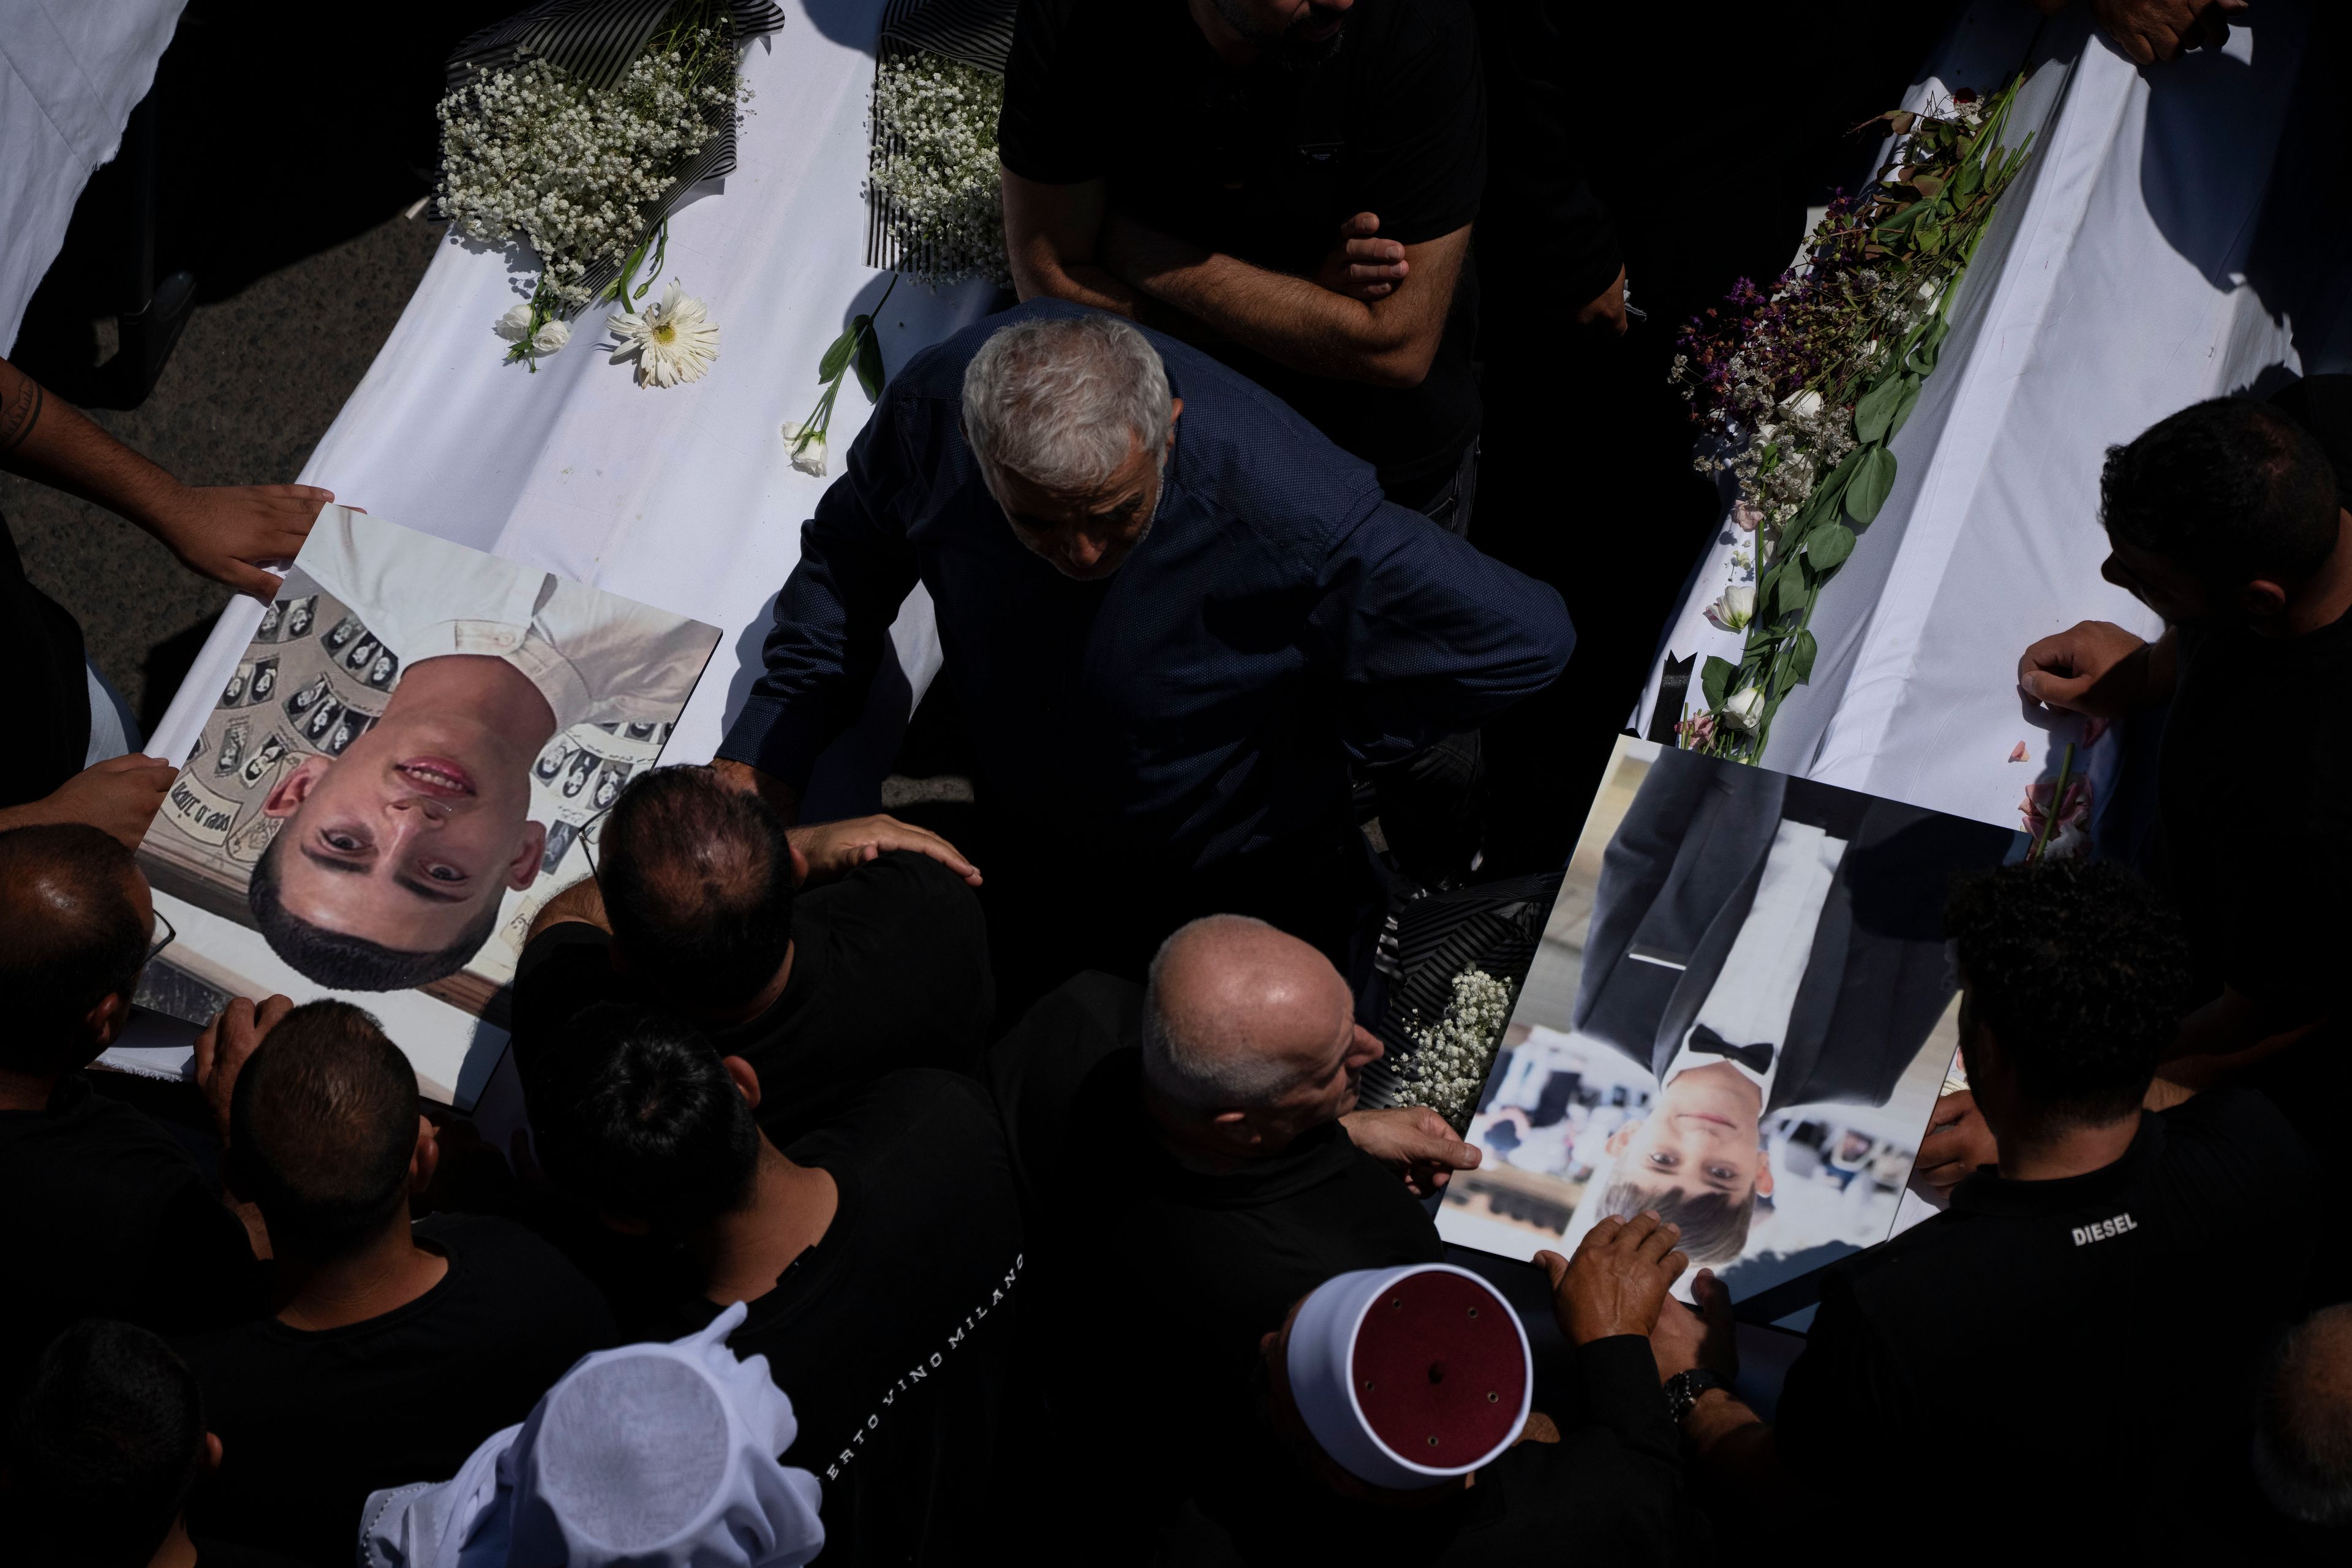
1803,386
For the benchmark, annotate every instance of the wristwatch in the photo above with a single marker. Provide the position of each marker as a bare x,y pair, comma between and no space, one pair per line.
1684,1388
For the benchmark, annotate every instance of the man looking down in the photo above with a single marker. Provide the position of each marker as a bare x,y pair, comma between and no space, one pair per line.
392,859
2086,1254
1172,614
1193,1151
823,963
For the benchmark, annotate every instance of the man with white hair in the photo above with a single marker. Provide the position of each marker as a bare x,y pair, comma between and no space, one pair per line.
1172,613
1191,1161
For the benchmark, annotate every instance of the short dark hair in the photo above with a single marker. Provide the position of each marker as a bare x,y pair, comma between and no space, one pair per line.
74,938
1715,1225
108,1442
636,1116
2303,1439
2081,972
2227,490
697,882
323,1125
353,963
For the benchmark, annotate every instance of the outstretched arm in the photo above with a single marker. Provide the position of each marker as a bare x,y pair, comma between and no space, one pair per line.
219,532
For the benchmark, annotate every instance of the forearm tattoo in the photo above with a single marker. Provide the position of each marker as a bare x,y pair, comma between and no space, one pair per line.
22,412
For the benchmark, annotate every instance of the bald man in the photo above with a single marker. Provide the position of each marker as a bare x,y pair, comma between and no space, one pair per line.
1191,1162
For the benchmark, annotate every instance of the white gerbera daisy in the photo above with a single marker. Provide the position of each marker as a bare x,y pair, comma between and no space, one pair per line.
674,341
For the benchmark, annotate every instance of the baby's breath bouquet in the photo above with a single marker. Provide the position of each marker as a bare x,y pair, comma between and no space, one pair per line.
1804,386
933,167
582,155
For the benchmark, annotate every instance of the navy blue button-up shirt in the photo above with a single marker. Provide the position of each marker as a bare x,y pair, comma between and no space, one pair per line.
1204,699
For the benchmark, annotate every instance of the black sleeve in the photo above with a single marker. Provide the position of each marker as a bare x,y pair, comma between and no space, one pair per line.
1417,145
562,971
1048,129
204,1274
1622,1392
914,908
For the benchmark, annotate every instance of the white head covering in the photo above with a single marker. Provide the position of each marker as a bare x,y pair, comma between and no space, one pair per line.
1408,1377
653,1456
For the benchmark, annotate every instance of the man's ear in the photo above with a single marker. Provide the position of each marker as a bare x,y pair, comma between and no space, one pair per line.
106,1021
800,863
523,869
286,796
1763,1173
2262,599
1622,1136
746,1079
1175,412
428,1157
211,1460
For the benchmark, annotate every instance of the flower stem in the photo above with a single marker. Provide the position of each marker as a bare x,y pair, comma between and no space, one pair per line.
2057,803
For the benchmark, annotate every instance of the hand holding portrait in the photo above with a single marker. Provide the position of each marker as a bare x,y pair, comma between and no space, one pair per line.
1684,1338
119,796
1617,1283
221,531
1958,1141
1415,1142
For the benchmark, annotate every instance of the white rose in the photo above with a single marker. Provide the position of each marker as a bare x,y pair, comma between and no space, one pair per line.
807,447
1804,405
1744,709
514,324
1736,608
550,336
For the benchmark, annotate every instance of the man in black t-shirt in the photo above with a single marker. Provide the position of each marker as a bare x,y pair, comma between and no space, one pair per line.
880,1254
1290,183
2072,1347
877,960
1192,1163
106,1214
394,1350
2233,519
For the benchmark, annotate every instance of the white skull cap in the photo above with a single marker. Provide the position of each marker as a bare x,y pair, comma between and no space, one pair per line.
1410,1376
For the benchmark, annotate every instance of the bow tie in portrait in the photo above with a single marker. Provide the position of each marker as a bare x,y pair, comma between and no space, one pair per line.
1756,1058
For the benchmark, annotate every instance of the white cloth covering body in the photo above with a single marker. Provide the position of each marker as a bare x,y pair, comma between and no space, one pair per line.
598,658
2140,264
652,1455
70,73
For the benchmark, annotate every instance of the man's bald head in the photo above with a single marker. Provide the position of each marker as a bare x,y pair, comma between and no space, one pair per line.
2303,1451
1244,1024
77,915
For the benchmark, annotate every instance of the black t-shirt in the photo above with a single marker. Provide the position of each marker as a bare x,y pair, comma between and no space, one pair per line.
1613,1486
41,648
2072,1362
889,971
1265,164
311,1423
106,1216
893,1334
2259,843
1168,1273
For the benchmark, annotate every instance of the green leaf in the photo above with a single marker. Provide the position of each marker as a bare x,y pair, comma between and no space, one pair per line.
1792,595
1826,551
1802,650
1714,681
869,358
1904,405
1873,477
837,357
1923,354
1876,408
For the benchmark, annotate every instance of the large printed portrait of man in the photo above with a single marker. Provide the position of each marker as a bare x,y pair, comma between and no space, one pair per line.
1740,1013
376,807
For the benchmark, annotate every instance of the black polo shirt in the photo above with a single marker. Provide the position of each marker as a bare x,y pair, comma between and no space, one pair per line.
2075,1360
1263,164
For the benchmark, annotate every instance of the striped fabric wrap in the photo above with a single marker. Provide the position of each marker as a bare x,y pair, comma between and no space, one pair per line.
972,32
594,40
